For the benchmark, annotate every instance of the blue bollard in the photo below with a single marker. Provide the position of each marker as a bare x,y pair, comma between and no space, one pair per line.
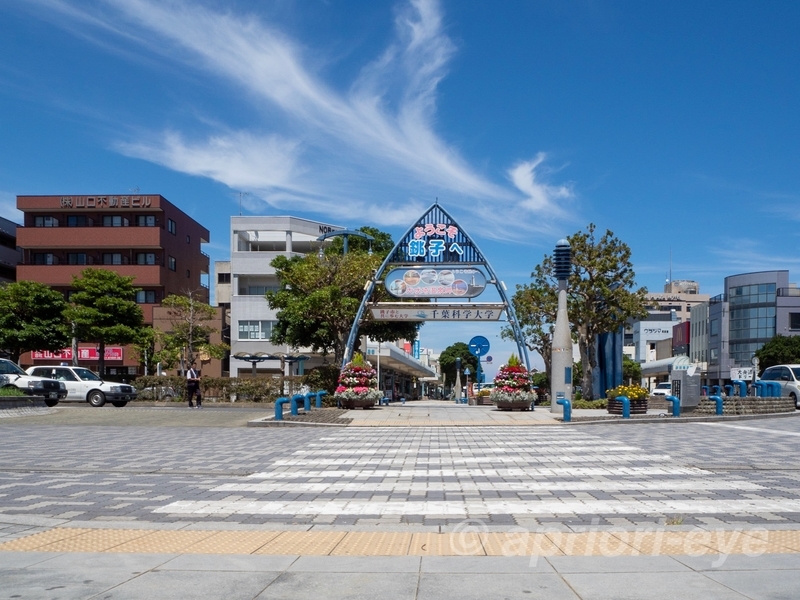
676,405
384,401
742,387
718,400
279,408
320,394
626,406
715,390
729,390
567,409
293,402
761,388
307,401
775,389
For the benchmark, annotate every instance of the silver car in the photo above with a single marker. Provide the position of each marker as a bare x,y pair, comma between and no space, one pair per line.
789,378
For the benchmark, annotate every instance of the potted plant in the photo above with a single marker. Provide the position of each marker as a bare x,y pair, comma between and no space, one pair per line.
635,393
358,385
512,387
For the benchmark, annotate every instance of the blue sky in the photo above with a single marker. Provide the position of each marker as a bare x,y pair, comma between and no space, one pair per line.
674,124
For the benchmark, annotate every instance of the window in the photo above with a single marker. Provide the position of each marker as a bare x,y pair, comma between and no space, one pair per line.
77,221
145,297
794,320
41,258
145,258
255,330
145,220
171,227
112,258
188,240
115,221
46,222
172,263
76,258
223,277
188,274
714,327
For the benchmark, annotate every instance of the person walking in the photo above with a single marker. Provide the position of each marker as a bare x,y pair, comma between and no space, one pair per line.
193,385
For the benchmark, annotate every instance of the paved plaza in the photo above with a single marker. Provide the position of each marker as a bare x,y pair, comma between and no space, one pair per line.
168,502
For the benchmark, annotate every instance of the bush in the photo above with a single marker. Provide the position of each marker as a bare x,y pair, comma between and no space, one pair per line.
323,378
601,404
10,391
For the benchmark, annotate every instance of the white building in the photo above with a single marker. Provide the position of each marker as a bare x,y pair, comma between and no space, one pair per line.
255,242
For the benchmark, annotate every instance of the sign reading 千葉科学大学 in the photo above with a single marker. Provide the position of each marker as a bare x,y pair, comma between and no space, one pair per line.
95,202
434,282
438,312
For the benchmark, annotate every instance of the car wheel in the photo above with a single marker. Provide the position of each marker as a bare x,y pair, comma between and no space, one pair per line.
50,402
119,403
793,396
96,398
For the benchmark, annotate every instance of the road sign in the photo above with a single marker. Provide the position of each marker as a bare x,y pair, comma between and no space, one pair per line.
478,346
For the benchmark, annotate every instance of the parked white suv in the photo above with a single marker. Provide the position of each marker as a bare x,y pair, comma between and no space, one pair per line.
84,385
789,378
51,391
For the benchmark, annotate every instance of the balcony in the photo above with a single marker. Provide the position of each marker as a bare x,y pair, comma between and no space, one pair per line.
61,275
87,238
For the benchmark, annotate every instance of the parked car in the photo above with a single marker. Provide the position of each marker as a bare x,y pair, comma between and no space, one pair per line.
789,378
84,385
662,389
52,391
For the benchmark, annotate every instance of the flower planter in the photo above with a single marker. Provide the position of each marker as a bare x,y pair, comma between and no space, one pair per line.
353,403
505,405
638,407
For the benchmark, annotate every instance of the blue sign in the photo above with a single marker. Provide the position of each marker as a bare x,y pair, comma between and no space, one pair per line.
415,349
478,346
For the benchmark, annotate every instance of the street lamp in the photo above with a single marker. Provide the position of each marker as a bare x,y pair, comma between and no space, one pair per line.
561,361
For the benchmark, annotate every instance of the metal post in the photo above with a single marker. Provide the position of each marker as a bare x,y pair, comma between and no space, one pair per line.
561,363
458,380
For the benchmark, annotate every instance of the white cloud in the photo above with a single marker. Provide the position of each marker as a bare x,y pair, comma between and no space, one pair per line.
540,197
326,147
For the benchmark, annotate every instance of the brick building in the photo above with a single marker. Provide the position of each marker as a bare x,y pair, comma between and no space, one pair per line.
144,236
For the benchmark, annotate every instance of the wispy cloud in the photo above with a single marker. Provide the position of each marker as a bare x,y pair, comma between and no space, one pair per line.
320,147
539,196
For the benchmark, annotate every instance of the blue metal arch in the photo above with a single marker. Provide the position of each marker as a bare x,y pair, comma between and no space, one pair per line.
460,250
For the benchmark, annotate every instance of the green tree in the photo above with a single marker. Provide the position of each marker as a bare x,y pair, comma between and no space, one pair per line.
31,318
780,350
319,298
447,361
536,305
601,297
103,310
631,370
189,333
381,245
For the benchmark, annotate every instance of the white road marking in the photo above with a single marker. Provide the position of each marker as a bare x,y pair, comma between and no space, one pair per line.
759,429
